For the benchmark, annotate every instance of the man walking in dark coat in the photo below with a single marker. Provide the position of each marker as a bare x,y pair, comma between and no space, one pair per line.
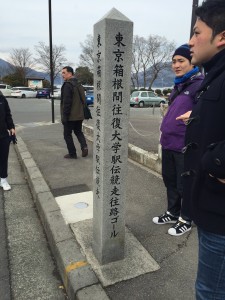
205,155
72,114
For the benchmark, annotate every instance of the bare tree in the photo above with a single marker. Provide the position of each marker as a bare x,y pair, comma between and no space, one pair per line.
43,57
21,60
136,62
144,57
149,57
160,53
87,56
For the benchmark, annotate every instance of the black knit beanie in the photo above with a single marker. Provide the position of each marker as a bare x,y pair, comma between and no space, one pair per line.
183,50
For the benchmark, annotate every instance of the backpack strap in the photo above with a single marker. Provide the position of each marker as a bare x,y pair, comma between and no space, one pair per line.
179,90
81,98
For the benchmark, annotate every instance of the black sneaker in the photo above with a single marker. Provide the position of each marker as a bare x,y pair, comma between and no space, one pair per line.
179,228
84,152
165,218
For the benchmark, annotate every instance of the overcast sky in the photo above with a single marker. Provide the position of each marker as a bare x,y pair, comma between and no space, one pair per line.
24,23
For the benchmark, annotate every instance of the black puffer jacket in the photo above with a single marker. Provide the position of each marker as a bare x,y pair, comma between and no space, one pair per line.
6,121
205,150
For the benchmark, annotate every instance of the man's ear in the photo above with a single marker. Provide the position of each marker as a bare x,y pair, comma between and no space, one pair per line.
221,40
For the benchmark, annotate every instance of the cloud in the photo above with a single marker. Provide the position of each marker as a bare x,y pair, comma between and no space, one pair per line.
73,20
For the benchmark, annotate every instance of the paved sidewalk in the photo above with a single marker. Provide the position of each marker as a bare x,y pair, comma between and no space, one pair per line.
41,151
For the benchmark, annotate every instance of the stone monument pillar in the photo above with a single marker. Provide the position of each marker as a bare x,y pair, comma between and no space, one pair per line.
113,36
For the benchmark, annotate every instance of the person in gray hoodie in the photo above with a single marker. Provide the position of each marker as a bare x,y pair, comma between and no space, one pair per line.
72,113
187,81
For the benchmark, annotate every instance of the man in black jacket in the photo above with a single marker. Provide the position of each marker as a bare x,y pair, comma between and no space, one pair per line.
72,112
205,149
7,129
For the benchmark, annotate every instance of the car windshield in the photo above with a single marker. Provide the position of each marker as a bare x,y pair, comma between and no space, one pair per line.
151,94
135,94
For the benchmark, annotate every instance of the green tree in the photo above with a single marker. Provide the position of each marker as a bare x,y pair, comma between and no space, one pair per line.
158,92
46,84
84,75
14,79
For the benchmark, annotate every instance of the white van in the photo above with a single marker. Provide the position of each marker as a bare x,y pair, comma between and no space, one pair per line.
5,89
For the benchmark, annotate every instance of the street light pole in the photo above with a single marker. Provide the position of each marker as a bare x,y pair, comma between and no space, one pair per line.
193,18
51,62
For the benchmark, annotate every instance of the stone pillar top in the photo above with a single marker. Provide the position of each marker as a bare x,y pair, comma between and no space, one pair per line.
116,15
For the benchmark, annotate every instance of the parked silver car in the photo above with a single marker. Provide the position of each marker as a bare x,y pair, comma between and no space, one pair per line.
145,98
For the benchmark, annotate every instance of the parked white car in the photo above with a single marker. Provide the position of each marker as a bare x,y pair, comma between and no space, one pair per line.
57,93
5,89
23,92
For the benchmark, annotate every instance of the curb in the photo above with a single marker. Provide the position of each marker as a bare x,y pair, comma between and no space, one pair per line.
76,273
143,157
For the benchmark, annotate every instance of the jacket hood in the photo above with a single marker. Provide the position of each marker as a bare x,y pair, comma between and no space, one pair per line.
73,80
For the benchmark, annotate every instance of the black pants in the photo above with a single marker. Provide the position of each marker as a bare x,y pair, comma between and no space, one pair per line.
76,127
4,154
172,168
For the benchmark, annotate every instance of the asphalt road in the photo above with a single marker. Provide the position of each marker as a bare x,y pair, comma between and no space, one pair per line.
143,126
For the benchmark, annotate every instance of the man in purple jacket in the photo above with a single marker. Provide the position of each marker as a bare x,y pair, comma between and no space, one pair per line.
187,81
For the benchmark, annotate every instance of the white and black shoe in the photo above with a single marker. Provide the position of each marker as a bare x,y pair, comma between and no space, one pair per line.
165,219
180,227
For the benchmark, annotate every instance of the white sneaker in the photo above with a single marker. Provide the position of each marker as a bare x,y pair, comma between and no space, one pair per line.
4,184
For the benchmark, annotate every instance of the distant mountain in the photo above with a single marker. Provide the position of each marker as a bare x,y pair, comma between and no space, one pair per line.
165,78
6,68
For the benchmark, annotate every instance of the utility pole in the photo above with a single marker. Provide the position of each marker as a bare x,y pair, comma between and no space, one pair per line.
193,18
51,63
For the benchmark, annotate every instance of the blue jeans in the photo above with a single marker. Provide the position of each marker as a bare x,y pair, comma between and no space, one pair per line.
210,282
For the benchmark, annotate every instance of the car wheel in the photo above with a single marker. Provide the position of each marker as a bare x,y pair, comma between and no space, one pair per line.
141,104
162,102
23,96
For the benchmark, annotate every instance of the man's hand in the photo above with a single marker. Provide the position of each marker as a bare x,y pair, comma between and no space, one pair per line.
64,122
219,179
184,117
12,131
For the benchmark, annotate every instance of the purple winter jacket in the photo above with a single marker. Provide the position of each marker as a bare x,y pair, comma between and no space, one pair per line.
173,131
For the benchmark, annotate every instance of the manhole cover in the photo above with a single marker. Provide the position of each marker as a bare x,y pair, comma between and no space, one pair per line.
81,205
